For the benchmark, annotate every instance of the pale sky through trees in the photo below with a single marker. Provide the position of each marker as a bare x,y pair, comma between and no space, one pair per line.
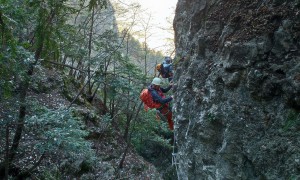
162,12
160,33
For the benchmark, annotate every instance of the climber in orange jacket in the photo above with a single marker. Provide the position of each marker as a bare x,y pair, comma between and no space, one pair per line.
157,94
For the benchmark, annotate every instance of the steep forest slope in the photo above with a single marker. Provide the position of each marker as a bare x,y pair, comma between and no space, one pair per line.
237,102
69,104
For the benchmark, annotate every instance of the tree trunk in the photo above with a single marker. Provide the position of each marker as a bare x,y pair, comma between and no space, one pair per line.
128,116
129,138
89,92
24,85
22,110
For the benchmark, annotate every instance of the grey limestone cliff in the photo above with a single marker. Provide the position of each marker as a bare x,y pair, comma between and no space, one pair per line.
237,101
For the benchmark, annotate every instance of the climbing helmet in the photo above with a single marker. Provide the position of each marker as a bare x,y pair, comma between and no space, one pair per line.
156,81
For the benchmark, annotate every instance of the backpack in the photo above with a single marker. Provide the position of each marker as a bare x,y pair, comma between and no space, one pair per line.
147,99
166,71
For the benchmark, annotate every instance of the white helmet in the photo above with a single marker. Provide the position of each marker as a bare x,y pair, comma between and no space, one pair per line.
156,81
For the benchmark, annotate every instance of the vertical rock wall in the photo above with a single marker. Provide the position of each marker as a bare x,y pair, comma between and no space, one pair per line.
237,101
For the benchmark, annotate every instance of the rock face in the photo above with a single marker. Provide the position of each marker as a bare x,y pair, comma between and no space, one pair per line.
237,101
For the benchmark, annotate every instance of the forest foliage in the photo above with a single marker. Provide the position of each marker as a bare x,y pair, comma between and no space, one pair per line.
92,62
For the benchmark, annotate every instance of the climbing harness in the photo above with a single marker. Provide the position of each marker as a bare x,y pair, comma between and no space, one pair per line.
163,114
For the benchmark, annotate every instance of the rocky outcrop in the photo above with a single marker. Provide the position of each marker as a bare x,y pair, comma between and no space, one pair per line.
237,102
